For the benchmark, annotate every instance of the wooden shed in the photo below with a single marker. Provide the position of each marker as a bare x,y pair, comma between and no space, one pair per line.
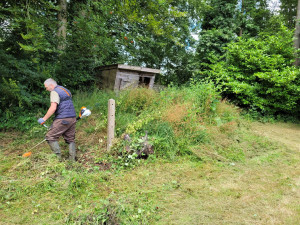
119,77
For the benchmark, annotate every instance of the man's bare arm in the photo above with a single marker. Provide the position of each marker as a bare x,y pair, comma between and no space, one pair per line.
50,111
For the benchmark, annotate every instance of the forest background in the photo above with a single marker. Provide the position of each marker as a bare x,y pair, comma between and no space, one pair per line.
247,48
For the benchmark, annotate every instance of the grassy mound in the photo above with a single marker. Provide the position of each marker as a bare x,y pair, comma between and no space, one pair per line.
193,133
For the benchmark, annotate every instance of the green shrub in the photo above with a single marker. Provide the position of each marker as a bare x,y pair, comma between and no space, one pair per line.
258,73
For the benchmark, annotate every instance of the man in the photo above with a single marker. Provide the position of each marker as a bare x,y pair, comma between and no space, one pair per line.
65,118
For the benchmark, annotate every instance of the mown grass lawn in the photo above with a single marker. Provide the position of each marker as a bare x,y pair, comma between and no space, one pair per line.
263,188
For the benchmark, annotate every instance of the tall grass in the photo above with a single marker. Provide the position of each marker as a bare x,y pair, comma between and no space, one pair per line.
174,119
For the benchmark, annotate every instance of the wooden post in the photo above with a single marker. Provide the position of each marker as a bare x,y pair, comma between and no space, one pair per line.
110,123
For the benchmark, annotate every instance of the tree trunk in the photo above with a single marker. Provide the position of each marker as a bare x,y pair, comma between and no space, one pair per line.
62,21
297,34
242,11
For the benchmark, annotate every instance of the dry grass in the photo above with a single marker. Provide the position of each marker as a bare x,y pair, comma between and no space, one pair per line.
176,113
289,134
183,119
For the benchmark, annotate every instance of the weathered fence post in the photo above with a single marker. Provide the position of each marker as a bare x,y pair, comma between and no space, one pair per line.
110,123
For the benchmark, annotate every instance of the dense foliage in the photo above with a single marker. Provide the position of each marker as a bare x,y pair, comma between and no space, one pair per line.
156,34
98,33
288,10
258,73
224,21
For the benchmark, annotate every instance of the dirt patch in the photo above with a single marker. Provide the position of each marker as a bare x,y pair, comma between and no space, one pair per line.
87,159
288,134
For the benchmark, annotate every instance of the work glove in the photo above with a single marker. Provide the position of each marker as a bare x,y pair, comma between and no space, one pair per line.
41,121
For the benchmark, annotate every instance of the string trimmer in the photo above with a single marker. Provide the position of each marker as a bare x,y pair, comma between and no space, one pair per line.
84,112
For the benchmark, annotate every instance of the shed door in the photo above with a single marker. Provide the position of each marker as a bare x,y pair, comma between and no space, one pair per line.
126,80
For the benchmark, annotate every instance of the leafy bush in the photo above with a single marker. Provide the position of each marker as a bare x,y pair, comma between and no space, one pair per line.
258,73
21,87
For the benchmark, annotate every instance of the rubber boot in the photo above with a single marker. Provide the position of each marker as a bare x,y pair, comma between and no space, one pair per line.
72,151
55,148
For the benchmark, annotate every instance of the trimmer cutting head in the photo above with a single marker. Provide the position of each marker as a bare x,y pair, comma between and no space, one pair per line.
84,112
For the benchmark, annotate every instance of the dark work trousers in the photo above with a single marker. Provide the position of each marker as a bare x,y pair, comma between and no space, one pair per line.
62,127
